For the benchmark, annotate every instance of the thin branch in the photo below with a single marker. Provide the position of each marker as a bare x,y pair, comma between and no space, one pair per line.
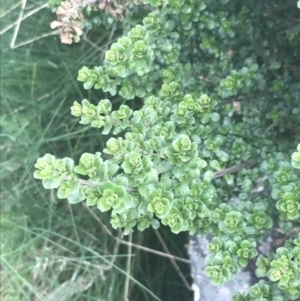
128,267
115,252
23,18
235,99
98,220
14,37
156,252
173,262
107,231
96,184
10,9
241,98
116,247
105,47
48,34
91,43
87,263
234,169
278,120
88,183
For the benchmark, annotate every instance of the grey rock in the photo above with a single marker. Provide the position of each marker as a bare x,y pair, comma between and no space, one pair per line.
203,289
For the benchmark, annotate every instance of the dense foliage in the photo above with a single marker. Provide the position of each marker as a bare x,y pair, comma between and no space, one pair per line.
213,148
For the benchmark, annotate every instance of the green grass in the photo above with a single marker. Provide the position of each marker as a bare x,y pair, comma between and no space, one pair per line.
51,250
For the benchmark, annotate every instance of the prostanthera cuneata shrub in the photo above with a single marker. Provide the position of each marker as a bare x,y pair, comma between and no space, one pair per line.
213,149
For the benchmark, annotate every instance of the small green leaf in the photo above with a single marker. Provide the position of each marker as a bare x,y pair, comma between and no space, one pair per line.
215,165
76,197
208,175
143,190
155,224
103,206
229,179
88,85
151,176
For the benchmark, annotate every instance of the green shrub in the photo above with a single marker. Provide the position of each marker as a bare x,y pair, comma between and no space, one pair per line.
210,149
